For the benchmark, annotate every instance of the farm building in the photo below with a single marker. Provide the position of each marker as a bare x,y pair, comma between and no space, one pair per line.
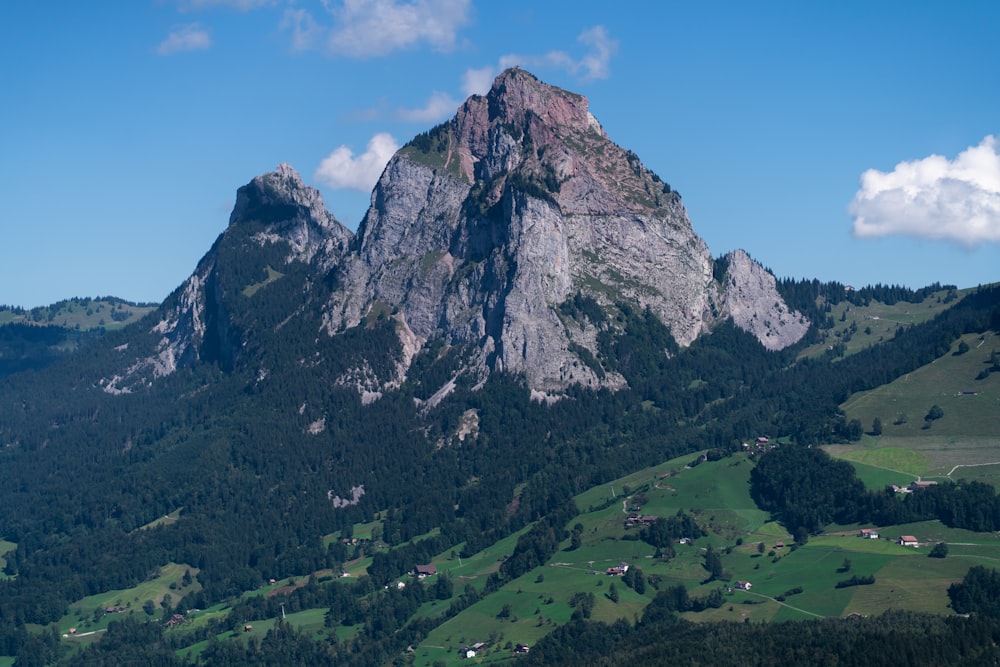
422,571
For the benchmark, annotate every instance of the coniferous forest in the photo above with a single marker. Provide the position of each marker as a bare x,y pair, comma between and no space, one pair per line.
84,480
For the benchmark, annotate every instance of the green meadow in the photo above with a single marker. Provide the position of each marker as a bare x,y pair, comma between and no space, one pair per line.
87,615
5,547
788,583
963,443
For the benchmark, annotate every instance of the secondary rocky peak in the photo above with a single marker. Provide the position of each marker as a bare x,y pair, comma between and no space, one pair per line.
277,224
750,298
290,211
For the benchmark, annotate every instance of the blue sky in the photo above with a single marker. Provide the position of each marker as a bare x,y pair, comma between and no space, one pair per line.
848,141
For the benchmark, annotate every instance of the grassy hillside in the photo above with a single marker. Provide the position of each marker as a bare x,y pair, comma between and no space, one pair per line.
963,443
716,493
80,314
859,327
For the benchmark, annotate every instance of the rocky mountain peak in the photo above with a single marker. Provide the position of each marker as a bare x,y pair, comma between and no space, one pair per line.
481,228
516,235
276,220
290,211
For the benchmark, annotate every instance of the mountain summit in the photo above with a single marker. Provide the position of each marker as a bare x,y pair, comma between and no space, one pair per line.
482,228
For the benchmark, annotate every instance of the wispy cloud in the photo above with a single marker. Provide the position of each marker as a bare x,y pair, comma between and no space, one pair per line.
934,198
306,32
367,28
240,5
341,169
439,106
478,81
594,64
189,37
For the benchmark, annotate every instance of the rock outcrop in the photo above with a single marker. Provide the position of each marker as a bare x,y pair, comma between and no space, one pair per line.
749,298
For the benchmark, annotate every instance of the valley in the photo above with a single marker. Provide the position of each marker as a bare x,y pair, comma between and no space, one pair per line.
522,414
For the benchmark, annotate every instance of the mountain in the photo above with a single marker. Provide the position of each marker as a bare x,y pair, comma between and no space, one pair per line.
480,233
524,328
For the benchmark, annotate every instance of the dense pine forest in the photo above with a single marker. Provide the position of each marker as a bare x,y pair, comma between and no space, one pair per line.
85,479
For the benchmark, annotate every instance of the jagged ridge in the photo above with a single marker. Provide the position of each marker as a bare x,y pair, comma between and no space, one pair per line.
478,232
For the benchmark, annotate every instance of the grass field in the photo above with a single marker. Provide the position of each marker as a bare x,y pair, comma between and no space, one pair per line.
964,443
877,322
81,313
718,495
5,547
87,615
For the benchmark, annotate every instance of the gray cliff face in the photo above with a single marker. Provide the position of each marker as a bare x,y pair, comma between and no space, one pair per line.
751,299
274,210
481,228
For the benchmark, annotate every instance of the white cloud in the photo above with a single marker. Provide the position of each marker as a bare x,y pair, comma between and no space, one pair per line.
306,32
189,37
594,64
597,63
439,106
367,28
935,198
241,5
341,169
478,81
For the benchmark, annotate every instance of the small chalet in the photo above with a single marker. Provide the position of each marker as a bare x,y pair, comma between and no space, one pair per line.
422,571
618,570
743,585
175,620
908,541
522,648
779,545
247,628
868,533
919,484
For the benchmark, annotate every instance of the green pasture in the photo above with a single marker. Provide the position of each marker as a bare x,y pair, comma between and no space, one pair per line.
272,275
87,614
165,520
600,495
877,477
537,602
876,322
83,314
5,547
311,621
944,382
900,461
